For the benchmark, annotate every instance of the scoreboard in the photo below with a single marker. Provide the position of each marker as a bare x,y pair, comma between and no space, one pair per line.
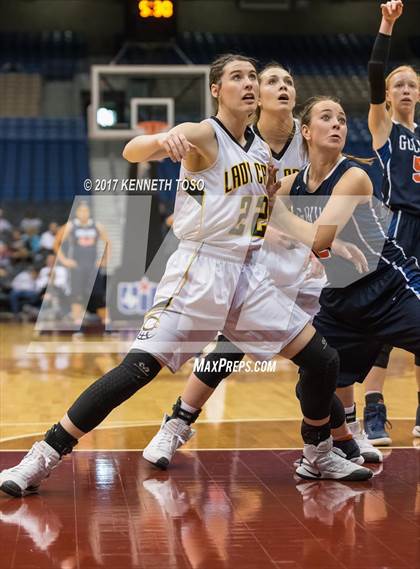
151,20
156,9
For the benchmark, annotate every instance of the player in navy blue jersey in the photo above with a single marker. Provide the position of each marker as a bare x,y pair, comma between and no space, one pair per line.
396,140
358,314
83,235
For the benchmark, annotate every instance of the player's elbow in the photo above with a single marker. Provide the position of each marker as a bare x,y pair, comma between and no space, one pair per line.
128,153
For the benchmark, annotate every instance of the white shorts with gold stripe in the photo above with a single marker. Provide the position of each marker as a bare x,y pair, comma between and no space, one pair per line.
207,289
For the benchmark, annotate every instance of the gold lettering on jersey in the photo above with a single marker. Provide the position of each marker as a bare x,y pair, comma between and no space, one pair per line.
288,171
241,174
261,172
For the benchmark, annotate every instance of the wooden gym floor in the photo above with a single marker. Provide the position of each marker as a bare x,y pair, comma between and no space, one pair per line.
229,500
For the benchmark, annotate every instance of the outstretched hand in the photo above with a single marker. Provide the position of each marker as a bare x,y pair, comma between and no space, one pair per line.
392,10
351,253
176,146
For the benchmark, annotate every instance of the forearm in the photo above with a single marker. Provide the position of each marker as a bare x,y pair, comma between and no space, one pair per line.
386,27
143,148
377,68
315,236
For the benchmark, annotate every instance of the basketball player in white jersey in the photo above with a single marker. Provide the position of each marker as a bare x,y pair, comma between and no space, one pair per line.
287,263
211,283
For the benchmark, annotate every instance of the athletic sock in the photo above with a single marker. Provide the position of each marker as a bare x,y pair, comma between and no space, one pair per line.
350,413
185,412
187,407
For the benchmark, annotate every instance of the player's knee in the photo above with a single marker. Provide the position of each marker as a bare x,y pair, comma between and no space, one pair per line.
318,359
220,363
215,367
112,389
141,365
318,371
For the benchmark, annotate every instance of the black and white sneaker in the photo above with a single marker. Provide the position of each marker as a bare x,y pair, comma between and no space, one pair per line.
324,462
350,448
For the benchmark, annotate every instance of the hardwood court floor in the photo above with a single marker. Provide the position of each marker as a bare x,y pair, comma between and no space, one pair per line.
236,506
212,510
41,377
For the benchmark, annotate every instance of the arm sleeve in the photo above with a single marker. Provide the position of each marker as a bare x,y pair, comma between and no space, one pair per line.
376,68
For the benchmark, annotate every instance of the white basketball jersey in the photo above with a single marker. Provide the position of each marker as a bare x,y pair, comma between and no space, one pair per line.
225,205
293,157
287,266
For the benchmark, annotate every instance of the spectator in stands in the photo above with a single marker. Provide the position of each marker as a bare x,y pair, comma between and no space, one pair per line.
24,291
18,246
31,222
48,237
5,225
5,264
33,240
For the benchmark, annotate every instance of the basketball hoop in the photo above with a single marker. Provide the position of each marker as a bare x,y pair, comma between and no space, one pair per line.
152,127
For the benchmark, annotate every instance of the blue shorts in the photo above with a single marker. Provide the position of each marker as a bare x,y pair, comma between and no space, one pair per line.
383,308
405,229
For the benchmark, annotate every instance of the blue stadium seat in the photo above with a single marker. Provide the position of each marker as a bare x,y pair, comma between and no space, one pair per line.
42,159
55,54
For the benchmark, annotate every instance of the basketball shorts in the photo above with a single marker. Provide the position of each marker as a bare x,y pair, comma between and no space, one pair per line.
405,229
206,289
290,269
381,309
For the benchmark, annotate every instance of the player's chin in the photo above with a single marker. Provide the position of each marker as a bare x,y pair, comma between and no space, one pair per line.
285,105
335,143
404,105
249,108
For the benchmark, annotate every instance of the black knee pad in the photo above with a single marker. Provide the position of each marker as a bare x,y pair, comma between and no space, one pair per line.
318,371
112,389
382,360
219,363
417,360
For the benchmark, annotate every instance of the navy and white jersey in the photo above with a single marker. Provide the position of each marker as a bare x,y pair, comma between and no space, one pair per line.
400,159
363,229
83,241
